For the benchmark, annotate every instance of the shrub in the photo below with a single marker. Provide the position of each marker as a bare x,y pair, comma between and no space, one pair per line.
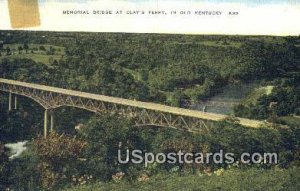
60,157
3,167
105,135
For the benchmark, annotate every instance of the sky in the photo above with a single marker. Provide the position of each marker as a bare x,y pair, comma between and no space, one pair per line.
256,17
246,2
255,2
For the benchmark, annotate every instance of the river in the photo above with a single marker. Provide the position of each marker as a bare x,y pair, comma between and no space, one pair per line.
16,149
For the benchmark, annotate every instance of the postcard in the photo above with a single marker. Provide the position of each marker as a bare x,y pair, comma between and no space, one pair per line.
149,95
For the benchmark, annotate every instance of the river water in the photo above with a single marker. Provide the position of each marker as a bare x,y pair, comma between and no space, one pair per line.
16,149
228,94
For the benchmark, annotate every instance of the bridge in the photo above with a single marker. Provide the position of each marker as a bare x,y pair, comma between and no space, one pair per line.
143,113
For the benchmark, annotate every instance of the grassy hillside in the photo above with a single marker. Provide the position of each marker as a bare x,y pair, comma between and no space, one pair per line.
39,58
40,53
257,93
290,120
230,180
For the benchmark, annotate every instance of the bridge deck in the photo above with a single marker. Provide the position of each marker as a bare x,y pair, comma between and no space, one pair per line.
138,104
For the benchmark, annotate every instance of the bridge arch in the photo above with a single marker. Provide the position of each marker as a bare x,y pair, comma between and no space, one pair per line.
143,112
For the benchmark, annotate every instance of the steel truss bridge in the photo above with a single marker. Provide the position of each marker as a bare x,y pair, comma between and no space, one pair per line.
143,113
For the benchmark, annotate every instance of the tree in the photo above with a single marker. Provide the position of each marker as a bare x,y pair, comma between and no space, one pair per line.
106,134
3,167
20,48
26,47
1,46
51,51
8,51
176,98
42,48
60,156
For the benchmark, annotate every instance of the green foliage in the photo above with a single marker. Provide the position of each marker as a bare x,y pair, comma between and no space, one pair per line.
59,158
26,47
19,124
4,168
237,139
141,66
175,98
290,121
201,92
158,68
24,70
283,100
242,180
178,75
42,48
288,99
15,127
23,172
105,135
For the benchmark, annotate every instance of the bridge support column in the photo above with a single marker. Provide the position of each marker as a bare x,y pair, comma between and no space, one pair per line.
204,109
45,123
51,121
16,102
9,102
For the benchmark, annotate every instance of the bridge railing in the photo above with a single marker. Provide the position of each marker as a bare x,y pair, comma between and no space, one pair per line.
144,112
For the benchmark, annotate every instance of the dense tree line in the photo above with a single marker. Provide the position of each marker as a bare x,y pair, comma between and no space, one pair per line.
148,67
91,155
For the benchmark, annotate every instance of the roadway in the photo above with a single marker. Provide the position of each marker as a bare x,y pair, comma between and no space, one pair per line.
133,103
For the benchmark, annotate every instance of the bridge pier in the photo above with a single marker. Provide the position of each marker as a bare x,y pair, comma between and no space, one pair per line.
45,123
204,109
9,101
146,113
51,121
16,102
48,114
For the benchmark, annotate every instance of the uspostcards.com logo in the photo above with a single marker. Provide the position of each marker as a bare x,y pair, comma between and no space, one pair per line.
139,157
